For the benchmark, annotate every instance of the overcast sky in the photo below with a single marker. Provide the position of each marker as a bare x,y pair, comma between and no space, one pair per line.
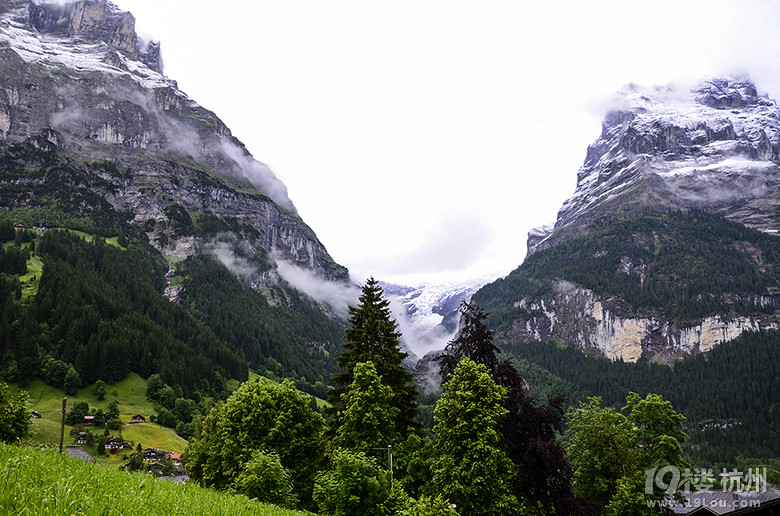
421,140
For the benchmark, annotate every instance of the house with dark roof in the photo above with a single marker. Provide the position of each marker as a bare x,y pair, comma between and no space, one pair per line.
115,443
154,455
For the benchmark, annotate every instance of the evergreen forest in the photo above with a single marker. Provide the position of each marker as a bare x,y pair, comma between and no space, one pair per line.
680,265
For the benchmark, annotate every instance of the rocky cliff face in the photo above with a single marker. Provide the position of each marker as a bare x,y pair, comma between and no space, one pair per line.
716,149
77,75
578,316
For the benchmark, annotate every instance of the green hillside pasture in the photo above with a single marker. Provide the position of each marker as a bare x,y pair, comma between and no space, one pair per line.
155,436
130,394
131,397
90,237
30,280
36,481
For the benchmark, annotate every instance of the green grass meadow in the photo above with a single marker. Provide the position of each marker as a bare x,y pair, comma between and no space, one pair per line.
130,395
41,481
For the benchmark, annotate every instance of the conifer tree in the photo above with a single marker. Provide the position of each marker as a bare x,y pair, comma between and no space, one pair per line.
373,336
474,340
368,420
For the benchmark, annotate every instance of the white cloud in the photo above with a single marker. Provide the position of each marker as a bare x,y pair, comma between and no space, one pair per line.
338,296
260,175
225,252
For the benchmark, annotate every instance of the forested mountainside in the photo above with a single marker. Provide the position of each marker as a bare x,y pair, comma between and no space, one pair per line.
659,286
729,394
129,195
99,309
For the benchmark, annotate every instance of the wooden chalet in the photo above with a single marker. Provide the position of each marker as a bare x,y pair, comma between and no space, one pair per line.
115,443
176,459
154,455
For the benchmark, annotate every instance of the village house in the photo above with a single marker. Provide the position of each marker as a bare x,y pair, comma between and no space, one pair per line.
154,455
115,443
138,418
176,459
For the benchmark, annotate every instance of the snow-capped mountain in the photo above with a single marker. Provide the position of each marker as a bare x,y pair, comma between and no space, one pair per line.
640,261
211,255
428,315
76,79
715,148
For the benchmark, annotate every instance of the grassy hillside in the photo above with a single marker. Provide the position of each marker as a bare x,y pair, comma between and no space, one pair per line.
130,395
38,481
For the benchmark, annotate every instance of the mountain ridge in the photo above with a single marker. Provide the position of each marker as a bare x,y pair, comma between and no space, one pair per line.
714,147
78,75
644,259
97,145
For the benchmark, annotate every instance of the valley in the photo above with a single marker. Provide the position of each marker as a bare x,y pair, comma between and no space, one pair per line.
161,278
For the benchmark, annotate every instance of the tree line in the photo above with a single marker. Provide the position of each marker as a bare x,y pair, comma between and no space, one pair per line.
493,449
729,394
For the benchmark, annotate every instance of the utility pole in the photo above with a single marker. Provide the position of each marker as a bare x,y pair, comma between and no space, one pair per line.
390,463
62,427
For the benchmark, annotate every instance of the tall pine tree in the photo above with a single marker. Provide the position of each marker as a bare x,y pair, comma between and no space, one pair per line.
373,336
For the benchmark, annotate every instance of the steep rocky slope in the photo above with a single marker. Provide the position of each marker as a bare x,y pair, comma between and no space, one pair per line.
76,80
667,246
162,204
714,148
